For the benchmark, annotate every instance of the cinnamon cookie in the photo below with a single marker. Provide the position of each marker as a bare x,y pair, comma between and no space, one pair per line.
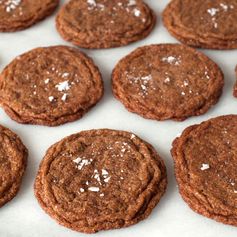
104,23
99,180
205,158
13,158
203,23
50,86
20,14
167,81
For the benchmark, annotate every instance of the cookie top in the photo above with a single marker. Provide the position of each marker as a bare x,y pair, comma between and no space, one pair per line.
50,86
167,81
203,23
20,14
104,23
13,158
99,180
205,158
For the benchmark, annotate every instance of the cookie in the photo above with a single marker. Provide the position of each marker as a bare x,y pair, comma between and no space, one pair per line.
167,81
104,23
50,86
205,168
235,86
13,158
204,23
99,180
20,14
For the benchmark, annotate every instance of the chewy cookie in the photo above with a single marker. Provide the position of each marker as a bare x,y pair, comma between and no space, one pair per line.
167,81
205,167
13,158
21,14
50,86
203,23
99,180
104,23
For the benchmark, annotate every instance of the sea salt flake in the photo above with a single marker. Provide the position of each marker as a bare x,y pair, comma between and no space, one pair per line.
82,190
46,81
64,97
137,12
94,189
171,60
104,172
91,2
51,98
63,86
107,180
131,2
213,11
205,166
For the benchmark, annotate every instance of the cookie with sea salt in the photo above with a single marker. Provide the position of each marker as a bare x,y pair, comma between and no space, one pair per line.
99,180
13,159
104,23
205,167
50,86
20,14
167,81
203,23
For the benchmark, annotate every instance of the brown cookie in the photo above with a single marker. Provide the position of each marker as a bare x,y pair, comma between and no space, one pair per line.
205,167
13,158
50,86
20,14
203,23
167,81
104,23
235,86
99,180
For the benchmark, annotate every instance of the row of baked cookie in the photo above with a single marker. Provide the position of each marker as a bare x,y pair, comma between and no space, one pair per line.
106,179
113,23
54,85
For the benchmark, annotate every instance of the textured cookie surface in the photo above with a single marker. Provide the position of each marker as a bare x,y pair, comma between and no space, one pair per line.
100,179
50,86
205,167
104,23
203,23
20,14
13,158
167,81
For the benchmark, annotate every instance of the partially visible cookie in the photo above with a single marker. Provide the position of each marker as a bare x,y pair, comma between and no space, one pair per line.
235,86
13,158
50,86
104,23
99,180
167,81
20,14
205,157
203,23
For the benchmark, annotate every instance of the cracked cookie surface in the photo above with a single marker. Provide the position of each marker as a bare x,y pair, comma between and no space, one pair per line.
204,23
99,180
167,81
20,14
13,159
104,23
205,167
50,86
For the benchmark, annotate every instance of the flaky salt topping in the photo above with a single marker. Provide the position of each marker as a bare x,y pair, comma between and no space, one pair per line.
10,5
